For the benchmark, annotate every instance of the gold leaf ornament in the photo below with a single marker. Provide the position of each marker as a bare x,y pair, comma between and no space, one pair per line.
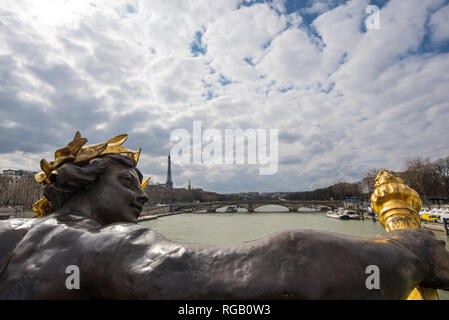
90,152
114,146
42,208
40,177
145,183
69,152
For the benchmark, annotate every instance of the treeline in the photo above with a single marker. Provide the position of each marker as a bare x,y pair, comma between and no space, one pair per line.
337,191
429,178
163,195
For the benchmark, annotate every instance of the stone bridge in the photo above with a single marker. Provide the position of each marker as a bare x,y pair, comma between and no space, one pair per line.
251,205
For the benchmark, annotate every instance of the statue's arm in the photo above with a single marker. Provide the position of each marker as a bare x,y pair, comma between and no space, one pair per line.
138,263
119,261
12,232
145,265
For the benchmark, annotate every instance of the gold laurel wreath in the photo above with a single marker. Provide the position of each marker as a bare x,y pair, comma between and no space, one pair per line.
74,152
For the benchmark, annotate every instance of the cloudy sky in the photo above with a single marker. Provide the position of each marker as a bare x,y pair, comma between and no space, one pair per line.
344,99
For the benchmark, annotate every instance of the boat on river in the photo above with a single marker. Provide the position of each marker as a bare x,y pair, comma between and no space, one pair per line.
231,209
353,215
340,213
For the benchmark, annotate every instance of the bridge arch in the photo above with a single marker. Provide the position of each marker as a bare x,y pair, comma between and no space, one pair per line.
251,206
271,207
223,209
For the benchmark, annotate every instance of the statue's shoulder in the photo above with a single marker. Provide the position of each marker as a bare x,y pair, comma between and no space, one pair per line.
69,222
16,224
68,225
59,231
132,232
12,230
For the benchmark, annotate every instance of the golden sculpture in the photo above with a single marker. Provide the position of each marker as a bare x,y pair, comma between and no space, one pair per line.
75,152
398,207
145,183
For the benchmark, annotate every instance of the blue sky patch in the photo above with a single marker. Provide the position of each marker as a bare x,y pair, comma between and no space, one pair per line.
329,89
249,61
197,46
130,9
284,90
224,81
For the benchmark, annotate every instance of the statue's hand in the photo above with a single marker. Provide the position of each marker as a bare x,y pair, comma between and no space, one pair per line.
431,251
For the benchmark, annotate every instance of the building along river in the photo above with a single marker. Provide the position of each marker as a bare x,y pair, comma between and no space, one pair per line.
233,228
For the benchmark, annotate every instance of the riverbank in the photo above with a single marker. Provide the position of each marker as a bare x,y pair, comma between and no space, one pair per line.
433,226
10,213
155,216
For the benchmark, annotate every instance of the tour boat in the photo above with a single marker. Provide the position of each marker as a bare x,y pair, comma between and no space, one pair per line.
231,209
338,214
353,215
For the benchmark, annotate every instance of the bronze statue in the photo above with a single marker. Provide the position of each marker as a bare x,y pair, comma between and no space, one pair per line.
88,220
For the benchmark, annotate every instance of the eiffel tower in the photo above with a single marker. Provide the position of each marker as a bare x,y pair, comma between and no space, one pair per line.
169,182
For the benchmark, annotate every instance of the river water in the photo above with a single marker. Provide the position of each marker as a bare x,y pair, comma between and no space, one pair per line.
233,228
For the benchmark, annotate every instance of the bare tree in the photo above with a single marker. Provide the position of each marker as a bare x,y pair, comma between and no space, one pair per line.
418,175
441,171
369,179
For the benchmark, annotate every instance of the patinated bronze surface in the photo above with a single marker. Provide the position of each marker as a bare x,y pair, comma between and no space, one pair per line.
94,227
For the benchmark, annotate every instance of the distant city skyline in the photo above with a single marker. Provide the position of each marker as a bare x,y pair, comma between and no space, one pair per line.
344,98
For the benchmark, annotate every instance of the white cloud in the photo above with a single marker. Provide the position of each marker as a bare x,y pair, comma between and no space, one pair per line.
343,99
238,35
292,58
340,30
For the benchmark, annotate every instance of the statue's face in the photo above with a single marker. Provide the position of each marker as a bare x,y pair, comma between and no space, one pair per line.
117,195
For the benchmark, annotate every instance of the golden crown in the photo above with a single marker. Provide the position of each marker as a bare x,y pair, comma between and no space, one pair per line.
76,153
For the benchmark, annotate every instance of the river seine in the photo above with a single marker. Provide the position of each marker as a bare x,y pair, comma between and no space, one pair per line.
232,228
